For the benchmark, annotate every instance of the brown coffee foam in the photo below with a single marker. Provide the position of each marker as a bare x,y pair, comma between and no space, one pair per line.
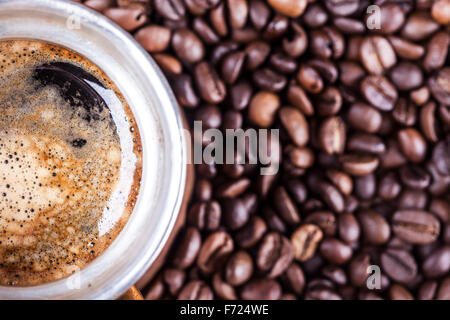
53,194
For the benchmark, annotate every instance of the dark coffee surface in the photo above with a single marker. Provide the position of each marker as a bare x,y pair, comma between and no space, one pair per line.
67,187
364,116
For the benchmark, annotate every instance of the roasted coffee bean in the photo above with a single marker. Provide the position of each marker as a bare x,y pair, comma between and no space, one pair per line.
412,199
304,241
285,206
315,15
342,7
205,215
412,144
214,251
259,13
364,117
274,222
209,115
379,92
405,112
325,68
211,87
365,186
428,122
249,235
427,290
364,142
295,124
437,263
295,45
261,289
283,63
335,274
187,46
389,186
331,196
205,32
310,79
168,63
276,27
392,18
238,10
437,51
358,165
232,66
290,8
170,9
358,269
444,289
398,292
174,279
419,26
399,265
376,229
348,227
127,18
223,289
329,102
239,268
233,188
196,290
415,226
440,87
440,12
153,38
335,251
321,293
377,54
349,26
326,220
263,107
406,76
240,95
327,43
235,213
184,91
406,49
274,255
332,135
294,278
414,177
189,246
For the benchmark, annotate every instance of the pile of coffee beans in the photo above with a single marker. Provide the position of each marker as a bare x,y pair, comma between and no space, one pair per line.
360,208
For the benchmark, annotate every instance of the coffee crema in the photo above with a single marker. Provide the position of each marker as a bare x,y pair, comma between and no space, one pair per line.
70,162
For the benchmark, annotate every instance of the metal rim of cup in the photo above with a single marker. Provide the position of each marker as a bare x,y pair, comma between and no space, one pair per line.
155,109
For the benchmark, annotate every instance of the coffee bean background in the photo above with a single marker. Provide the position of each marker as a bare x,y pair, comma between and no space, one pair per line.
364,119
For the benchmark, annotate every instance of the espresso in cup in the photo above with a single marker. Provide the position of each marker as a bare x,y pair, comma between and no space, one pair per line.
70,162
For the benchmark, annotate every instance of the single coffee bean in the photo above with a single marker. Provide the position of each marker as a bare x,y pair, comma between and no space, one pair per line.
283,63
276,27
153,38
437,51
379,92
414,177
398,292
235,213
298,98
209,115
364,142
327,43
406,49
240,94
256,54
359,165
285,206
399,265
444,289
358,269
290,8
196,290
304,241
405,112
406,76
419,26
205,215
342,7
294,278
332,135
415,226
250,234
365,186
261,289
392,18
412,144
168,63
174,280
389,186
331,196
184,90
274,255
300,157
263,107
170,9
211,87
335,251
214,251
348,227
438,263
269,80
239,268
376,229
295,124
412,199
377,54
428,121
222,289
259,13
310,79
335,274
187,46
232,189
205,32
329,102
440,86
232,66
189,246
427,290
296,44
440,12
274,222
326,220
349,26
364,117
155,290
238,10
127,18
341,180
